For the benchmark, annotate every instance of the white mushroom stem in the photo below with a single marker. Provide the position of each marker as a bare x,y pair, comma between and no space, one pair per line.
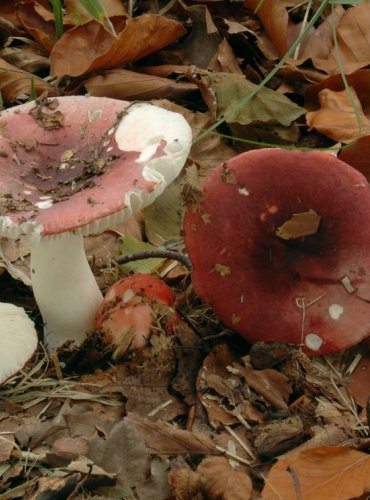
64,287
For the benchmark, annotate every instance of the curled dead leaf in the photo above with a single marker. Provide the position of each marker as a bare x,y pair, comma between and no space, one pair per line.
15,83
93,48
185,484
123,84
221,482
339,117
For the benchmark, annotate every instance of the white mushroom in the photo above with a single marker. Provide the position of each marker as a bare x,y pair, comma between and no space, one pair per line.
18,340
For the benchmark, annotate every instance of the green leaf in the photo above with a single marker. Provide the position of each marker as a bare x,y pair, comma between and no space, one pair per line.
131,245
98,12
163,218
266,107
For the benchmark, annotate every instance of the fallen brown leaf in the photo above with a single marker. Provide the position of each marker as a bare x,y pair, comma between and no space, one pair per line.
353,42
319,43
123,84
319,474
269,383
163,438
274,18
225,60
203,34
185,484
278,437
16,83
29,59
38,21
92,48
221,482
337,118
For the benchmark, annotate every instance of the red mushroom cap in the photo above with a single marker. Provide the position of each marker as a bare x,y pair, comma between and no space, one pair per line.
310,289
68,162
127,313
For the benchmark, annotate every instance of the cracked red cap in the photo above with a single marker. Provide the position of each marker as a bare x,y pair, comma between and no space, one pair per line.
280,248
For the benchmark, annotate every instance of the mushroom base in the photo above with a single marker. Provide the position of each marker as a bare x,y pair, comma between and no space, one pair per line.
65,288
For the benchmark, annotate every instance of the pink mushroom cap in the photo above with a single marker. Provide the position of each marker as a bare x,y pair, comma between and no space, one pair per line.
65,165
311,290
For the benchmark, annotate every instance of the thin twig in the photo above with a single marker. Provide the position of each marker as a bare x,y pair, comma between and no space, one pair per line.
155,253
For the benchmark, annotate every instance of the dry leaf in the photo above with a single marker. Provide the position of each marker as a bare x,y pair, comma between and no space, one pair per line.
92,48
353,38
299,225
16,83
123,84
221,482
186,484
336,117
319,474
75,12
38,21
203,34
319,41
269,383
225,60
25,57
274,18
164,438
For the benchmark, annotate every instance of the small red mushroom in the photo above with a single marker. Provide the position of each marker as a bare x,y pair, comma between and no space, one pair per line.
280,247
127,315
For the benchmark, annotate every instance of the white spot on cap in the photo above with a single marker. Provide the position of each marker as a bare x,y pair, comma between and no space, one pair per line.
313,341
128,294
27,191
336,311
44,204
95,115
244,191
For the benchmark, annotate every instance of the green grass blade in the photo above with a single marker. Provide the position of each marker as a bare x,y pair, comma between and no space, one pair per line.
58,17
98,12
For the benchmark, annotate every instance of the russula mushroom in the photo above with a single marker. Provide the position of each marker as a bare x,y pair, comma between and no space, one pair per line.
73,166
280,247
18,340
127,315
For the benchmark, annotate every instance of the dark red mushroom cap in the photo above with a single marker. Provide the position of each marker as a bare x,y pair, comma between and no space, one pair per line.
268,281
70,161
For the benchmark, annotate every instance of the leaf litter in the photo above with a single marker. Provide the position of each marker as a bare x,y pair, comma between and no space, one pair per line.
197,413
